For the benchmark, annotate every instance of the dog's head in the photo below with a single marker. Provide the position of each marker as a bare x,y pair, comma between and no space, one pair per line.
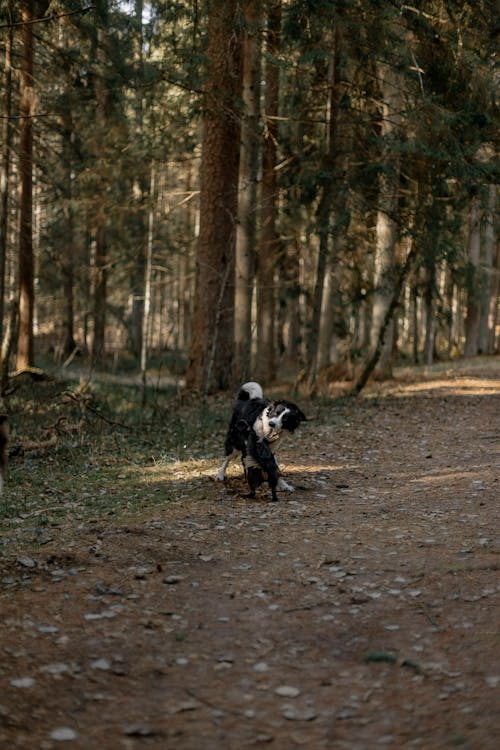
278,416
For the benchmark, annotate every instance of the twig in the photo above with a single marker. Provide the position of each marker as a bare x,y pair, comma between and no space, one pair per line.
53,17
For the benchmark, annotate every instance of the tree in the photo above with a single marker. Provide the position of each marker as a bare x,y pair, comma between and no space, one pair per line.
268,245
391,92
488,300
211,350
5,163
25,341
247,206
100,269
473,311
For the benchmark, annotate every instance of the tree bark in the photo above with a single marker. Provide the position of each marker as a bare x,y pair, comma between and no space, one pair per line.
372,361
473,311
147,285
67,254
332,215
268,246
391,88
212,342
25,343
101,251
139,190
5,163
247,209
487,292
430,313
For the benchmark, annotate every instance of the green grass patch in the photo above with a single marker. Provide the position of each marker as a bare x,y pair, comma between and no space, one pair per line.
95,452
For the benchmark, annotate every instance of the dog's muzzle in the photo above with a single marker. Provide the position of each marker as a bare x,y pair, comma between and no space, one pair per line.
273,436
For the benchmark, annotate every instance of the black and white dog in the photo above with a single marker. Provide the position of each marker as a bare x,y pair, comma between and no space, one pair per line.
255,429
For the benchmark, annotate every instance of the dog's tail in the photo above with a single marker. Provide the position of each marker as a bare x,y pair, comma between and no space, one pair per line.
249,391
4,439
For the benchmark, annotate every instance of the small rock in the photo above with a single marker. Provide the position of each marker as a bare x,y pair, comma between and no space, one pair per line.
22,682
139,730
103,664
261,666
287,691
63,734
26,562
299,714
173,579
48,629
56,669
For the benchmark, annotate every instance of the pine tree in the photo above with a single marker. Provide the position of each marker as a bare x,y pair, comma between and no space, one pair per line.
211,350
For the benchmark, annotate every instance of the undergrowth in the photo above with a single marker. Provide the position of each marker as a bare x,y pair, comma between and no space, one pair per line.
88,453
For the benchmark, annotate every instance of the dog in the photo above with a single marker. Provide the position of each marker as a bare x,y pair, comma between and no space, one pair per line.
255,429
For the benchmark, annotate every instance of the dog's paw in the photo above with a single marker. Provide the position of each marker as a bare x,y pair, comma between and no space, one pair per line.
282,485
220,476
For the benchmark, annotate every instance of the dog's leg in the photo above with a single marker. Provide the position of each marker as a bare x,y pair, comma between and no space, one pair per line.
254,479
221,474
282,485
267,462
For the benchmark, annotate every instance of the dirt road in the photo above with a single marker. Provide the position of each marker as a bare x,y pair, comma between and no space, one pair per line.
360,612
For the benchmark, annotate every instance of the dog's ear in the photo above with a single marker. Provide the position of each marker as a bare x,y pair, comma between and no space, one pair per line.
294,417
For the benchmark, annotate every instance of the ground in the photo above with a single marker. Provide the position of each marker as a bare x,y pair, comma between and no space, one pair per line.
359,612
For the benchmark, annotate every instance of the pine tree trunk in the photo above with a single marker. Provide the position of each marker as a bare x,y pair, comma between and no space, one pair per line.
25,344
326,340
487,295
67,254
332,209
247,209
268,246
493,346
5,163
430,317
139,191
101,251
473,312
212,341
147,285
391,87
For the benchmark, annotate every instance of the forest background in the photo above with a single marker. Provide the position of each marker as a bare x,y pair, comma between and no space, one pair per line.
226,190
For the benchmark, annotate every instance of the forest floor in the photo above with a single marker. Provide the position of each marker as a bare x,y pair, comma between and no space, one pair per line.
144,605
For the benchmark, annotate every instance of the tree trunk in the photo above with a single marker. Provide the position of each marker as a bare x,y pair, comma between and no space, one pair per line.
139,190
473,311
372,361
247,209
212,342
25,344
334,214
268,246
391,87
430,314
101,259
487,301
5,164
494,297
147,285
67,254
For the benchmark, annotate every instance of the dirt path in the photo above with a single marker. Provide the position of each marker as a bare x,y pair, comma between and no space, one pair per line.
360,612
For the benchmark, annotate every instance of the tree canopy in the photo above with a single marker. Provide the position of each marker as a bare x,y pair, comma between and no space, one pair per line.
269,186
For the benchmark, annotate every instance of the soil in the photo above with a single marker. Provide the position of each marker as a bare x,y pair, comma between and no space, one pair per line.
359,612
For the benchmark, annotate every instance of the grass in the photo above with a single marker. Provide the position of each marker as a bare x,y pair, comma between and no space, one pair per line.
124,459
